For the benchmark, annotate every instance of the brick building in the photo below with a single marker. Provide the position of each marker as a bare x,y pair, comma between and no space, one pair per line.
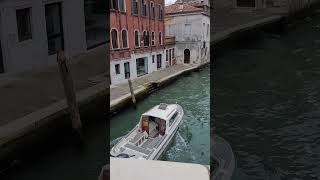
136,38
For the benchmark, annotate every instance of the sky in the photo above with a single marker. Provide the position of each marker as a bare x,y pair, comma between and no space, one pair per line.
168,2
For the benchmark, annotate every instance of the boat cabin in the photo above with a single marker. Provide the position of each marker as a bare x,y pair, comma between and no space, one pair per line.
158,120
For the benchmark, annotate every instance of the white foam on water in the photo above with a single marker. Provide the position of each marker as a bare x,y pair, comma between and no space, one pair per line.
181,147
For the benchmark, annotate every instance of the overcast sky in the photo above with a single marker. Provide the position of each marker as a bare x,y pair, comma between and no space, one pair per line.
168,2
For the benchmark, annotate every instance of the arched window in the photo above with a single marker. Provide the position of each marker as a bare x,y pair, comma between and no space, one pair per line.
114,38
152,39
114,4
160,38
146,38
124,35
134,7
122,6
136,39
160,12
152,10
143,8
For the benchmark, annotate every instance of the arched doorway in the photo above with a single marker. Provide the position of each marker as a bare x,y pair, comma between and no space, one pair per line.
186,56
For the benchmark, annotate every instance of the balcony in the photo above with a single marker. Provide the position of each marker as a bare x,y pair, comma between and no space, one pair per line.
169,40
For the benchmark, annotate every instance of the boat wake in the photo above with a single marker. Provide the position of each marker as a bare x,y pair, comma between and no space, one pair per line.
180,148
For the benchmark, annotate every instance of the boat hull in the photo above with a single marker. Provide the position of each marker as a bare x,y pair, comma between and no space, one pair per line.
145,151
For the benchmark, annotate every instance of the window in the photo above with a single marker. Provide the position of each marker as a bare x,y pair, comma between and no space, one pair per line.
124,36
172,52
160,38
54,28
134,7
136,39
122,6
167,56
152,13
187,29
143,8
114,4
204,44
96,29
114,38
160,15
203,29
24,24
173,118
117,68
152,58
171,29
146,38
152,39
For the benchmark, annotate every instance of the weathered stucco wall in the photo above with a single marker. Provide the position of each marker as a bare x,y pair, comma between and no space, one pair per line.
33,53
192,31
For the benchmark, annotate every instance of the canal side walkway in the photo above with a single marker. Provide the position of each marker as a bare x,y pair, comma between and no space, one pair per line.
120,94
228,21
31,99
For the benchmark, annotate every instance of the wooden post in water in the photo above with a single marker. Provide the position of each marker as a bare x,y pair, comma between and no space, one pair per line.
132,93
70,94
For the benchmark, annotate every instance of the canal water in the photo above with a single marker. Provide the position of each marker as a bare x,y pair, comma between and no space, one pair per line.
61,159
266,97
192,141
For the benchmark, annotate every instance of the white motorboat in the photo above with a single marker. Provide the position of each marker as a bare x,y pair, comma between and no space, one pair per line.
152,135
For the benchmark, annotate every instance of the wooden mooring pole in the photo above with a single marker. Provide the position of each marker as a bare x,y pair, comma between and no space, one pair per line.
132,93
70,94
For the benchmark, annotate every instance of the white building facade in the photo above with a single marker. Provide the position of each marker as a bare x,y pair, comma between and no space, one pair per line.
33,31
135,66
191,28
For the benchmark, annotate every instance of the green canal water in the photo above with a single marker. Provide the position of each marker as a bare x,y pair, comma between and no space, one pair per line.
60,159
192,141
267,104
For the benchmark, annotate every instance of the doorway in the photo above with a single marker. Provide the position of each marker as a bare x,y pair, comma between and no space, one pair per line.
142,66
54,28
126,70
159,61
246,3
186,56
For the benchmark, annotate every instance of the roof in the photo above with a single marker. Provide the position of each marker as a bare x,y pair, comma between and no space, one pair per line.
162,114
179,8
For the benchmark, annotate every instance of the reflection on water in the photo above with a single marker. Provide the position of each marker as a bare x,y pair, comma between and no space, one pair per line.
267,105
192,141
